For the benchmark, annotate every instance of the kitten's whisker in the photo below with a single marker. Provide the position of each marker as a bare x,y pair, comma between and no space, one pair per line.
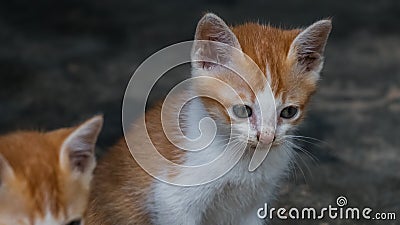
301,158
292,166
302,140
298,166
306,137
306,152
305,164
300,137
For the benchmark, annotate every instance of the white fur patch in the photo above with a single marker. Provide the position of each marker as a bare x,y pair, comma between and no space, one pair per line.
232,199
48,219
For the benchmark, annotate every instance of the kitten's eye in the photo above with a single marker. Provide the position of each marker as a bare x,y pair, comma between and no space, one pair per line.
74,222
242,111
289,112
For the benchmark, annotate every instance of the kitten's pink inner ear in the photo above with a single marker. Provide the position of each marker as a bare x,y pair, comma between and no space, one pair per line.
77,152
213,28
308,47
6,171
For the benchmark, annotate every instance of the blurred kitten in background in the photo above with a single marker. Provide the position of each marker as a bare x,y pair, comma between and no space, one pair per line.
45,176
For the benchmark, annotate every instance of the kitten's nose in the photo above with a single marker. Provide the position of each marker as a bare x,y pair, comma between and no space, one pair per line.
265,137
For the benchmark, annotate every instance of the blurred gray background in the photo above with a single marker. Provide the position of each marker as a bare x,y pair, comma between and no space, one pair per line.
64,61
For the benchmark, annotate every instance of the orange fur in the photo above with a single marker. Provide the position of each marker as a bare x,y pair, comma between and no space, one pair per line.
38,185
119,181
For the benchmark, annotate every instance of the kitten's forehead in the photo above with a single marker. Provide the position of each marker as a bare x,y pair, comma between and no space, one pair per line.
268,47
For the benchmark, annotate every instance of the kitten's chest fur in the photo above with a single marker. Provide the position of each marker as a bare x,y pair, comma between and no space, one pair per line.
237,198
230,199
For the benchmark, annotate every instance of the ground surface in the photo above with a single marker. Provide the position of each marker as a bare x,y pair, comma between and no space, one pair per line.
63,61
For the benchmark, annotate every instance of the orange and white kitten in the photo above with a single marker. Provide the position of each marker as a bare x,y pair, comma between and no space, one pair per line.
45,176
290,61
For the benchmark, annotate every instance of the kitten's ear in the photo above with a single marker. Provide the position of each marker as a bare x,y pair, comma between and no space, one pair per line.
77,152
213,28
308,47
6,171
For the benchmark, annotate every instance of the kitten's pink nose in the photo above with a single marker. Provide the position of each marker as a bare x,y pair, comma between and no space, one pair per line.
265,137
